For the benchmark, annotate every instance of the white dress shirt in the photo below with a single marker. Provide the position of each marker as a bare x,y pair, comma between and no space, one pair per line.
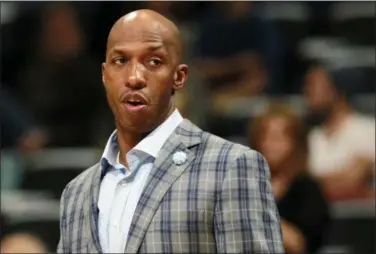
121,188
330,154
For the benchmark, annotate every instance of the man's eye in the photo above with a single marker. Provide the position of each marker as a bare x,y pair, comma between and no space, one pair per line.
120,61
155,62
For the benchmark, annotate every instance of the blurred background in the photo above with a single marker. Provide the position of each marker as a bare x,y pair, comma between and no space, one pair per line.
293,80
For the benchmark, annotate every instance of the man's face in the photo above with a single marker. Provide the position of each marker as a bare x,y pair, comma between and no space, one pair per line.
318,90
140,73
276,141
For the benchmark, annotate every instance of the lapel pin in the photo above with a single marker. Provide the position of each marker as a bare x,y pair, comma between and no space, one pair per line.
179,157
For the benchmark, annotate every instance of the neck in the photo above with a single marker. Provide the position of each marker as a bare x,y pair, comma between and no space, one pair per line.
340,113
288,168
282,173
128,139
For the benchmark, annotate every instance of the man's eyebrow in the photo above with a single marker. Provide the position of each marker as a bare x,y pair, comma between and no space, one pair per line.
154,47
123,49
116,51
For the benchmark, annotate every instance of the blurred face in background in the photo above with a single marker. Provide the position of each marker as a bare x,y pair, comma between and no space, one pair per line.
319,93
235,9
162,7
61,34
174,10
276,142
22,243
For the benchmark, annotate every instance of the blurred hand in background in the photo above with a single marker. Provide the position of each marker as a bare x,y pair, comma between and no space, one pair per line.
32,141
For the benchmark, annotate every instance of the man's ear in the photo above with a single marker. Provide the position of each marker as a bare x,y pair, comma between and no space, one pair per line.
103,73
180,76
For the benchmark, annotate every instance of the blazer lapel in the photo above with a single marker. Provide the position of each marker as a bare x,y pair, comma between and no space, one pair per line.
163,175
93,244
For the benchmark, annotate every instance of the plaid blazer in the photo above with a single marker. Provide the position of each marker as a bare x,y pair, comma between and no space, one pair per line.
219,201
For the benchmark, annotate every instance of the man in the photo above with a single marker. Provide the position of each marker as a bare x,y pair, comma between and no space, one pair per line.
342,145
163,185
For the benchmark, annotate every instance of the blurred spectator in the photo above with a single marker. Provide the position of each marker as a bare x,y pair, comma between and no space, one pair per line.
18,24
238,52
3,224
18,126
176,11
342,145
22,242
280,137
21,134
61,85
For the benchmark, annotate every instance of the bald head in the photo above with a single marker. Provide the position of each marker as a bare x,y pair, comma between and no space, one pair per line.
143,59
146,25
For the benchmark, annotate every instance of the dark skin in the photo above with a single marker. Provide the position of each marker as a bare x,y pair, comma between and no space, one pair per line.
143,59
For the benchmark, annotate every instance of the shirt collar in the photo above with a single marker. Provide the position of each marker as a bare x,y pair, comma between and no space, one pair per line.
151,144
111,149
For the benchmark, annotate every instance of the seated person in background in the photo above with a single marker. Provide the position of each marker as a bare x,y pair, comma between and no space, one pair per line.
18,126
59,82
22,242
279,136
342,145
238,53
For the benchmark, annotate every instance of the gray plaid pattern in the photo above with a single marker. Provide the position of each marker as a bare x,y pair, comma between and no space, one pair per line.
219,201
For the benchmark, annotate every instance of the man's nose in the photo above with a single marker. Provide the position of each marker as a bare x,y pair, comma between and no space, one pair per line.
136,79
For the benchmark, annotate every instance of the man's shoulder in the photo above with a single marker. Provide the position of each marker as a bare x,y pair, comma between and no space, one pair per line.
212,144
223,147
225,156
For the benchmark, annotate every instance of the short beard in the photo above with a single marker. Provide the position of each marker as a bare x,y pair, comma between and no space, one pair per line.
320,116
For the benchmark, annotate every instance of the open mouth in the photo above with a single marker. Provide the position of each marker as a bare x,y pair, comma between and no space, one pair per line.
135,103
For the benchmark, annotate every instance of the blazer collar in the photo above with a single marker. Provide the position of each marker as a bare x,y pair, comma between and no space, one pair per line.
164,173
